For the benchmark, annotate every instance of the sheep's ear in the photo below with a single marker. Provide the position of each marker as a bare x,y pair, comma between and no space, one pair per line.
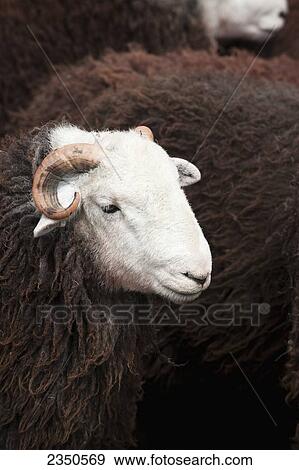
46,225
145,132
65,193
188,172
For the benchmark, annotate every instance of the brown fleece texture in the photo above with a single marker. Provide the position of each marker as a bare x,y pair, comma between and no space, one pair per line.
86,82
65,382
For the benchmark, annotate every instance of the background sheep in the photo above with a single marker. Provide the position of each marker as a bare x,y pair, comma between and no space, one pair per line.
32,33
86,82
236,158
251,220
69,31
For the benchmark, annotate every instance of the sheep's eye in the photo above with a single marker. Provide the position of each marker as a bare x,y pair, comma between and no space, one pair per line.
110,209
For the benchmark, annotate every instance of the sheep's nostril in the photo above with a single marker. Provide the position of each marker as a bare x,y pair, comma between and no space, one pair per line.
200,279
283,15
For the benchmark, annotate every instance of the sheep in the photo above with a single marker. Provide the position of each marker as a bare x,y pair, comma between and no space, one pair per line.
92,78
33,37
102,222
247,202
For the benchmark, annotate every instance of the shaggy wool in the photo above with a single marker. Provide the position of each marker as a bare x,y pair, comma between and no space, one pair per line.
67,380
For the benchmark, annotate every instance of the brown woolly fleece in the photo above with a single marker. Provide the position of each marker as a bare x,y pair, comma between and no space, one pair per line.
93,78
67,31
65,381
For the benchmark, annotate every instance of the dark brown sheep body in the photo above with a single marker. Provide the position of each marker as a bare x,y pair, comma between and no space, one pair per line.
32,33
248,207
93,78
245,141
66,382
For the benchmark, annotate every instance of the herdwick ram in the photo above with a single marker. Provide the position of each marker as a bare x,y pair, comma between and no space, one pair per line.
246,203
64,32
109,219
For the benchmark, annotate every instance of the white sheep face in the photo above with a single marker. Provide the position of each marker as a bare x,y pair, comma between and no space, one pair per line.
135,217
244,19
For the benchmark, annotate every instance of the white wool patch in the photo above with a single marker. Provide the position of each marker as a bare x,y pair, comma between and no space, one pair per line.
68,134
243,19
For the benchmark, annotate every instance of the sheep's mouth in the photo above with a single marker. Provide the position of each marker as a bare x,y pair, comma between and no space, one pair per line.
179,297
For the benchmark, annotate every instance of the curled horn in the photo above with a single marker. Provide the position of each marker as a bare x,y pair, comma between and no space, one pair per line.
145,132
63,162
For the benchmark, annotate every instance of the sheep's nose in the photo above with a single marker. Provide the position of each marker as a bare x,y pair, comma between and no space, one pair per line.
199,279
283,15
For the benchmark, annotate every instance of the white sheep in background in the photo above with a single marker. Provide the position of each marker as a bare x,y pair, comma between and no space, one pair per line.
252,20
